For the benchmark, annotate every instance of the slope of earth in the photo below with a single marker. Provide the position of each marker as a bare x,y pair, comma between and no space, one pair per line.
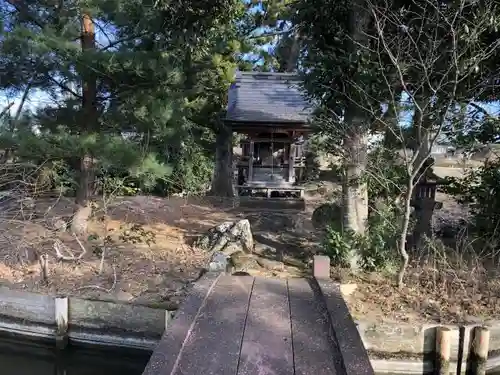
157,273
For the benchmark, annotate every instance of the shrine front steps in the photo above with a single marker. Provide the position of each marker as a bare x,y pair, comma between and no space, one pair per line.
260,203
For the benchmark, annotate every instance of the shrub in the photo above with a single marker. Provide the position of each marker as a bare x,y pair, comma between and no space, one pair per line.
378,249
480,189
386,176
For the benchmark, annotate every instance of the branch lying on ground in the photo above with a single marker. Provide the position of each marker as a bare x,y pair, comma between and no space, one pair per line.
59,247
100,287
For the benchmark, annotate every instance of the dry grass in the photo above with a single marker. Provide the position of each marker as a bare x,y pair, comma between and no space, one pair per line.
458,282
158,273
442,284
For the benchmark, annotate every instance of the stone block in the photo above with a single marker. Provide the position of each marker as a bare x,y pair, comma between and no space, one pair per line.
321,267
218,263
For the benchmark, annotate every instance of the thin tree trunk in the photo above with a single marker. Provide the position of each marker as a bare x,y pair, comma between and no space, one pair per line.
391,121
23,100
404,234
6,109
86,173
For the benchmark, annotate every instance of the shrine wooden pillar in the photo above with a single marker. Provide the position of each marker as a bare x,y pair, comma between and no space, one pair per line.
291,162
250,161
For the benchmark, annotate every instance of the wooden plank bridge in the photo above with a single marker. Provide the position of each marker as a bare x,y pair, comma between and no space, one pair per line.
243,325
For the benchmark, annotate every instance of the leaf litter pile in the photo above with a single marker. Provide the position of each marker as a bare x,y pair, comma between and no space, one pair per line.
429,295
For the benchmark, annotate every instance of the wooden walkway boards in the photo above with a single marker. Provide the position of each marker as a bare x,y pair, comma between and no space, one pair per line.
241,325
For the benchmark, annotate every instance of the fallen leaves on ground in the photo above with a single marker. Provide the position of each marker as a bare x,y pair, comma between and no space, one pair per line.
429,295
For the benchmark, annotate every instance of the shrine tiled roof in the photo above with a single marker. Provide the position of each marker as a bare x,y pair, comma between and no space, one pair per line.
267,97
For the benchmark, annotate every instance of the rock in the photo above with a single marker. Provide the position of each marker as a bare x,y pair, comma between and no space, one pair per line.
218,262
79,222
272,265
294,262
241,261
238,260
264,250
227,238
348,289
327,214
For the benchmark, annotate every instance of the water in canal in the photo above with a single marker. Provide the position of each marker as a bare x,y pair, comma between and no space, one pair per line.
19,356
495,372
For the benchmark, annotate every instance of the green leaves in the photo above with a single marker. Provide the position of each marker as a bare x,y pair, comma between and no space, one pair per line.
162,75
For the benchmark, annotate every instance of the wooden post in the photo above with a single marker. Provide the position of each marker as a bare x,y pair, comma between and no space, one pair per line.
443,351
44,267
480,347
250,162
61,315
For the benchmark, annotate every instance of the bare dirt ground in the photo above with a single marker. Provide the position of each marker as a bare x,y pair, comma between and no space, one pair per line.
158,274
439,288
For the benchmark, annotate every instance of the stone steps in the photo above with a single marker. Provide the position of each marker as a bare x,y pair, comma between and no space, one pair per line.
271,203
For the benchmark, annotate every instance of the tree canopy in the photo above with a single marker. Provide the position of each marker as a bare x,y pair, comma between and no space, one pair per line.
136,90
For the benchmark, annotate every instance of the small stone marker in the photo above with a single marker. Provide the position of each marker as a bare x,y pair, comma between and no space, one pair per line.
218,263
321,267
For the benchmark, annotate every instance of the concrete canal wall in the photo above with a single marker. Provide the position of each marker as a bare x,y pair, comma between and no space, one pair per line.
393,347
410,348
80,320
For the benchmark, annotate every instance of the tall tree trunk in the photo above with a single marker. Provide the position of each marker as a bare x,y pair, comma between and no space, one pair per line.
422,127
15,121
6,109
86,175
354,191
222,182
